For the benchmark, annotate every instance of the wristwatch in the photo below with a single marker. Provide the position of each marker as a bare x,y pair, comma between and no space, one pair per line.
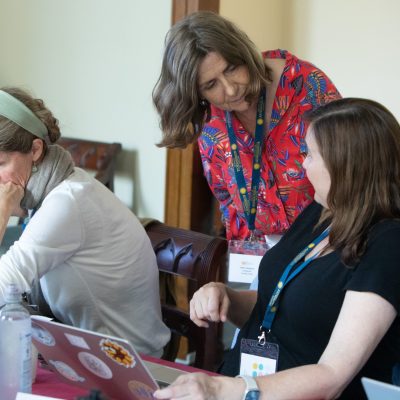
252,392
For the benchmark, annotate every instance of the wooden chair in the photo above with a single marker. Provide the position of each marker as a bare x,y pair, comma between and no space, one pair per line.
97,156
199,259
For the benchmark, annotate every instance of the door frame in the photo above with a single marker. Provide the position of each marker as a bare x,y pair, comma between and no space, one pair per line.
188,199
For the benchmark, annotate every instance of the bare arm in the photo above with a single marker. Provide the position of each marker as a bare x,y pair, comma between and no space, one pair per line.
10,199
242,304
216,302
364,319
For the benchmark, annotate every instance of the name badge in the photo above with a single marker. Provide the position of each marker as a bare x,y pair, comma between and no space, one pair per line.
244,260
258,360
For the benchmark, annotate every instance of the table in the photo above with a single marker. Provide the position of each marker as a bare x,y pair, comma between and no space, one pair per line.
49,384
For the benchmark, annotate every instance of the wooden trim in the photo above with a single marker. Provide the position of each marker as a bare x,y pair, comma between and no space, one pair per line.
197,5
186,177
179,10
179,175
182,191
172,188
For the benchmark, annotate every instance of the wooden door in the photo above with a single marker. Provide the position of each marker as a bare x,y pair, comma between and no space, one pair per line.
189,202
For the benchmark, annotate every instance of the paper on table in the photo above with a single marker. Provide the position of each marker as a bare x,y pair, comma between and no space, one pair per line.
28,396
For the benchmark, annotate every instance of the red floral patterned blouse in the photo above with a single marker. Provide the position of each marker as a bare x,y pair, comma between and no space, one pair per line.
284,189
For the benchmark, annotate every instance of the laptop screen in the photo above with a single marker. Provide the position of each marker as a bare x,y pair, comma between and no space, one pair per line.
377,390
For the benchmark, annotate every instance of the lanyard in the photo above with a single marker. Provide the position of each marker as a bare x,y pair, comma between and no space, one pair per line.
26,220
286,277
249,201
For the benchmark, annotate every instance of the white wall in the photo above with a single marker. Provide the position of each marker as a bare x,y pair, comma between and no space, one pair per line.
262,20
356,42
95,63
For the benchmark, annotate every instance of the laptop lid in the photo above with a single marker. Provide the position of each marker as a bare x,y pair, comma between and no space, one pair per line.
96,361
377,390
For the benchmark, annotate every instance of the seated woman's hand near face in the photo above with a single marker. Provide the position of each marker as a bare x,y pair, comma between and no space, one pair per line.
210,303
10,199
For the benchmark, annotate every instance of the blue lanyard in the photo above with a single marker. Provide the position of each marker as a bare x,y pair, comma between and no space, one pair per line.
286,277
249,202
27,219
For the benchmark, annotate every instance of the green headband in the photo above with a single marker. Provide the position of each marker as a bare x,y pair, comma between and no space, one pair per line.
19,113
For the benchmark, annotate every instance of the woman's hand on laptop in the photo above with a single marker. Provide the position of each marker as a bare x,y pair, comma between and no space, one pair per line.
200,386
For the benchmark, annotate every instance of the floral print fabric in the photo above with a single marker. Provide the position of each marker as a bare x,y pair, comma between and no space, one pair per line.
284,189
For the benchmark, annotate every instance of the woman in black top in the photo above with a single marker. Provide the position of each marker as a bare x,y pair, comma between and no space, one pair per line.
337,319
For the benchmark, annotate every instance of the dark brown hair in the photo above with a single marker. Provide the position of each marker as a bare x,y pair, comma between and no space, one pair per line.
15,138
359,141
176,94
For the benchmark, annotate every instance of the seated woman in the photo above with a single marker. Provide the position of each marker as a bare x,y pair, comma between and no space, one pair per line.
96,265
326,312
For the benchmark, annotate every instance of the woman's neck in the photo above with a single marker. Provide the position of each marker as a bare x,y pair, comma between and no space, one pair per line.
248,118
320,249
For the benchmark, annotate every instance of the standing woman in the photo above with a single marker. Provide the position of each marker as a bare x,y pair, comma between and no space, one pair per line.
245,109
96,266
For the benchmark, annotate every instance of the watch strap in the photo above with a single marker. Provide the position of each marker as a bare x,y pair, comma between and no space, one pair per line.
252,392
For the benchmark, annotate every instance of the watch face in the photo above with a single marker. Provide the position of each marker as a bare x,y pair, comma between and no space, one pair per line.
253,395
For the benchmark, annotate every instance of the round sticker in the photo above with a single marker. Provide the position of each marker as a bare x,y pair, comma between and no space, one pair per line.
43,335
95,365
66,371
141,390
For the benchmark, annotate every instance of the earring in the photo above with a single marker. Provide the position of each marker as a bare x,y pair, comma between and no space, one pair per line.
34,168
203,102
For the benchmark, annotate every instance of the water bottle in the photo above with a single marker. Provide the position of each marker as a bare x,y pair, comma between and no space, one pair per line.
15,346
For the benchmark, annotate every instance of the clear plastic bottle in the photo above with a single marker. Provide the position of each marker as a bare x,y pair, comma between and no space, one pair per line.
15,346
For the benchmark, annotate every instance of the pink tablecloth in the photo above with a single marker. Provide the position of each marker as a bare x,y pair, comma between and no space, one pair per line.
49,384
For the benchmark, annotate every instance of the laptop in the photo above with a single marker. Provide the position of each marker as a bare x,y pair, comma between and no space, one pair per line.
93,360
377,390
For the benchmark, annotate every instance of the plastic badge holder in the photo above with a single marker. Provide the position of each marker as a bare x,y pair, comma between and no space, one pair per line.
244,259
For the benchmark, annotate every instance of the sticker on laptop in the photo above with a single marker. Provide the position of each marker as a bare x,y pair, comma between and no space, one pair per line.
95,365
43,335
117,353
141,390
66,371
77,341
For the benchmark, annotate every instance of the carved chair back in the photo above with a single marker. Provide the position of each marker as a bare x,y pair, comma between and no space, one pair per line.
199,259
97,156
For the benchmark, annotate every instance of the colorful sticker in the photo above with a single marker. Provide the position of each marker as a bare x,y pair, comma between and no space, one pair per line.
117,353
141,390
42,335
95,365
66,371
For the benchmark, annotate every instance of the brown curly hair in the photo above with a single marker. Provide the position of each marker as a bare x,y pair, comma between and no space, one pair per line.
176,94
15,138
